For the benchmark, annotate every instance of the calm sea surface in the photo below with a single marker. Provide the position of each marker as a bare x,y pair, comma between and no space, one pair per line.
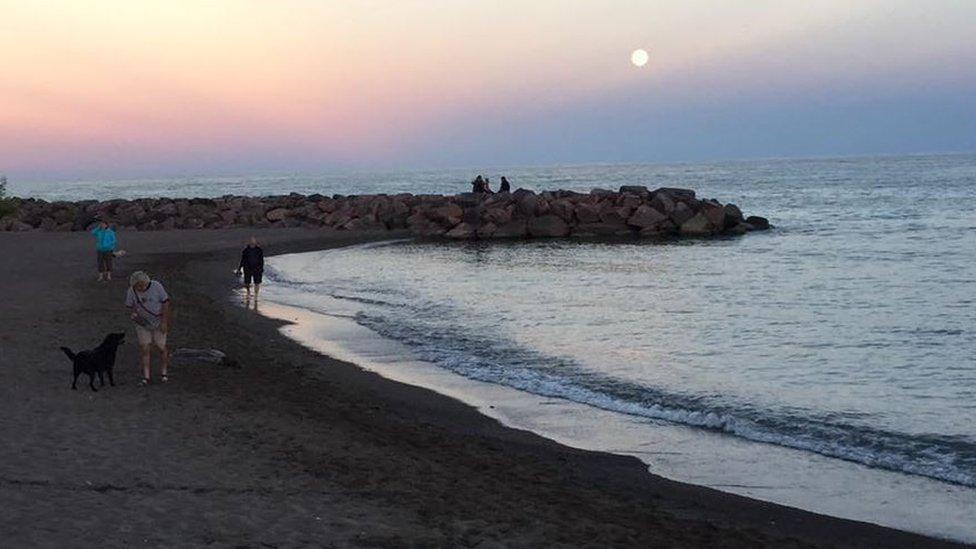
849,331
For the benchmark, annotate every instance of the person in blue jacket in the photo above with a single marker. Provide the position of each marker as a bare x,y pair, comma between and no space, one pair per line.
105,242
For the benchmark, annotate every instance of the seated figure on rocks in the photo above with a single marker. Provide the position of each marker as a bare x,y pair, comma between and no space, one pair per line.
505,186
478,185
481,185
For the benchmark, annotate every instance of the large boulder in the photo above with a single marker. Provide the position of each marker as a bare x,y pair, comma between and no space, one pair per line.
548,226
517,228
463,231
697,226
757,223
562,207
448,214
166,210
521,193
526,205
362,224
276,214
683,195
733,216
646,216
327,205
614,215
193,223
630,201
338,219
681,213
587,213
602,229
639,190
427,229
487,230
715,213
467,200
740,228
665,228
498,215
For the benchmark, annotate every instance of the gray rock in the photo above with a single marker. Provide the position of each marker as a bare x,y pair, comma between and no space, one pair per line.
526,205
683,195
548,226
602,229
587,213
614,215
646,217
639,190
487,230
463,231
449,214
662,203
733,216
498,216
715,213
517,228
681,213
758,223
276,214
697,226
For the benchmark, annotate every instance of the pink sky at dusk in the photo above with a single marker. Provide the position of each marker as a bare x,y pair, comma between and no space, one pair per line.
117,87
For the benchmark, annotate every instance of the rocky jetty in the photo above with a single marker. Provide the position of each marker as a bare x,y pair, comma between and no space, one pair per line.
630,211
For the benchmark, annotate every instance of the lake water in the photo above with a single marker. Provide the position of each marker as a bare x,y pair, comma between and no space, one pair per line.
846,334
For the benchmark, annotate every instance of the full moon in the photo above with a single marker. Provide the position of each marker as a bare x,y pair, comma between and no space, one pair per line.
639,58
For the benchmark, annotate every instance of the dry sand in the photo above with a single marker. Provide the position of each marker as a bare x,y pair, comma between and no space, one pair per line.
293,448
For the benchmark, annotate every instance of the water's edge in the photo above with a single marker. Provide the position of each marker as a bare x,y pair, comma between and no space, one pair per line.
760,471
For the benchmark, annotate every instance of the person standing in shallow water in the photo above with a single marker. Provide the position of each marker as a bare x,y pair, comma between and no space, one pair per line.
105,242
252,265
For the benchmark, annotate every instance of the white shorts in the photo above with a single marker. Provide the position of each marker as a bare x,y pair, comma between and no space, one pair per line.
148,336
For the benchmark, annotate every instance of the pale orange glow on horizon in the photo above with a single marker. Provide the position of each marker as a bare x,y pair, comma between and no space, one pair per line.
92,82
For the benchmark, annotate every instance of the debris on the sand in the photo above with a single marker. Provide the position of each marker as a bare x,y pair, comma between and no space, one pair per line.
201,355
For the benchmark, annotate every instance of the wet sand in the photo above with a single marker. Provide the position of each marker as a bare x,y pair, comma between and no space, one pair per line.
292,448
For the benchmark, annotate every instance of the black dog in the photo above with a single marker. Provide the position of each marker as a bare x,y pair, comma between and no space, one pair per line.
99,360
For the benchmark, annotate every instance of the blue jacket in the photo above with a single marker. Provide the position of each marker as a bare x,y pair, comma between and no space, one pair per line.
104,239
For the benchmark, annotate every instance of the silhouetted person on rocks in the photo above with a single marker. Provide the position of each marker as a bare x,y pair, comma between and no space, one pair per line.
487,188
505,187
478,185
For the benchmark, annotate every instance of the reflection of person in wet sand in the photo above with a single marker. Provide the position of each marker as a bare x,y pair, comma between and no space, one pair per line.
252,265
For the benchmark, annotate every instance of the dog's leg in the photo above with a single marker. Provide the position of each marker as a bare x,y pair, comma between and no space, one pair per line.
101,378
111,378
91,382
74,382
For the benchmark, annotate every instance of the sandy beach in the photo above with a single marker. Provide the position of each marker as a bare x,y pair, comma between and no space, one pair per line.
290,448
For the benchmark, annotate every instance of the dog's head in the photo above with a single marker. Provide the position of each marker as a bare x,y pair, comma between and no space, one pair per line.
114,339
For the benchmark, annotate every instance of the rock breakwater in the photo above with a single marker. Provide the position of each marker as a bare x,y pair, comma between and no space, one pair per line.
630,211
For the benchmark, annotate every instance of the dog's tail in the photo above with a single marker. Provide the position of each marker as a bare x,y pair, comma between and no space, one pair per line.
68,352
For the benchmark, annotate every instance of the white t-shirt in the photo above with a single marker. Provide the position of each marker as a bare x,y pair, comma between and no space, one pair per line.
148,304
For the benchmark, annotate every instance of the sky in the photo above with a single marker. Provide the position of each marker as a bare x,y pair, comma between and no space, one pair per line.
122,88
